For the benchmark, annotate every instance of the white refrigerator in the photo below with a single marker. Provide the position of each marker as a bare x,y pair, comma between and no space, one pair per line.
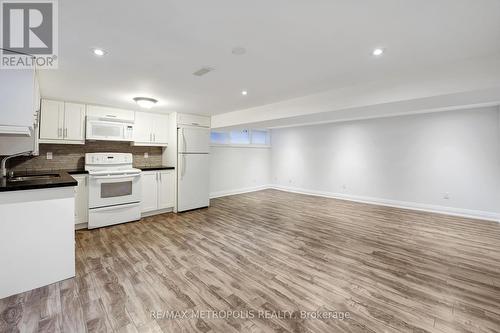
193,167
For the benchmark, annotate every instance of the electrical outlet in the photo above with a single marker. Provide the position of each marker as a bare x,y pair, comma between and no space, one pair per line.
146,155
344,187
49,155
446,196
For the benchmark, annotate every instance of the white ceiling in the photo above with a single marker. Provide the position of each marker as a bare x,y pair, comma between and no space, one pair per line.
294,48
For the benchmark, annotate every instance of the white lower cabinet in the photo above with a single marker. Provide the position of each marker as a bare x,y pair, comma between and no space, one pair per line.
81,199
158,193
158,190
149,193
166,189
37,240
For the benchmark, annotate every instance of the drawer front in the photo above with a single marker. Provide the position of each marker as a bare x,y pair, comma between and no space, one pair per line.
101,217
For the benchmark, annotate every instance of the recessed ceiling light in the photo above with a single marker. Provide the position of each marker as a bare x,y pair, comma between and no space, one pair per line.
145,102
99,52
378,52
244,92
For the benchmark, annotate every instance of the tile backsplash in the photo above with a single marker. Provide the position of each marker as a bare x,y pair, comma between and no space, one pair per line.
73,156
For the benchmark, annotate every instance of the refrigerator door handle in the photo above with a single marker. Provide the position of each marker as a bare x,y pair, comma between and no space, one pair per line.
182,161
183,169
184,143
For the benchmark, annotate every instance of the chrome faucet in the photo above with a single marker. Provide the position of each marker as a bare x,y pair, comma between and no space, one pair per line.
3,169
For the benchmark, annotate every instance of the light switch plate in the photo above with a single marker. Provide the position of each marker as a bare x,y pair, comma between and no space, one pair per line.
49,155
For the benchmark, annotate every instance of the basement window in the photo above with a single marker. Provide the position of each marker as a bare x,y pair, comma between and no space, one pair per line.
241,138
219,138
260,137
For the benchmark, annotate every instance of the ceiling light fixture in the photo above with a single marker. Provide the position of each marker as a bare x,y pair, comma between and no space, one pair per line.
99,52
378,52
244,92
145,102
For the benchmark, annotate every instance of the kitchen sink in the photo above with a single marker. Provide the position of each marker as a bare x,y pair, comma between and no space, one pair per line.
33,178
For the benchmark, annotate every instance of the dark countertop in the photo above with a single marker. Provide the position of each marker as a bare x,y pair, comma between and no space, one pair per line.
45,171
143,168
76,171
153,168
63,179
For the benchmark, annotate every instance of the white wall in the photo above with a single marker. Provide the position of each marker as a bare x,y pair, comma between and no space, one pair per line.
410,161
236,170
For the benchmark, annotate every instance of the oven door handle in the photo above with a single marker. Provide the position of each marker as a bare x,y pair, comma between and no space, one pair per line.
116,176
118,207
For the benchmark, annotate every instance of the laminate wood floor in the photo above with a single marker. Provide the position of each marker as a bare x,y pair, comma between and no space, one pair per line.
268,252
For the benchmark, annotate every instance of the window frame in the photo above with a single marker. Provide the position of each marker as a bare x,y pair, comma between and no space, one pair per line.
228,142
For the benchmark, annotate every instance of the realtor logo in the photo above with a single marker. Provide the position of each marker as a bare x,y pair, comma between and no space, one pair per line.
29,34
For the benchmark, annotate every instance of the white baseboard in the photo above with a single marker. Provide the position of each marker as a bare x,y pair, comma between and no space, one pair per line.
81,226
157,212
468,213
219,194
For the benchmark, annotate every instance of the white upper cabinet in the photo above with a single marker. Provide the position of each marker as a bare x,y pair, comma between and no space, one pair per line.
160,128
19,111
17,101
150,129
62,122
193,120
37,98
74,121
51,120
110,113
142,127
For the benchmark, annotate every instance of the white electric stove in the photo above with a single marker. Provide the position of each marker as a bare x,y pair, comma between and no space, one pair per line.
114,189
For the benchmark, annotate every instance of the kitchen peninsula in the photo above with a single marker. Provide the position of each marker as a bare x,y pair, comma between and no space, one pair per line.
37,238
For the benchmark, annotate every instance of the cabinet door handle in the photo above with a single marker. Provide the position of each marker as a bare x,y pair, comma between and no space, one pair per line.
65,132
59,132
154,137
